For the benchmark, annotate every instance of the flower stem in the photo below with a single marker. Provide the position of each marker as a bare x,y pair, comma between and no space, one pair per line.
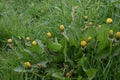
110,47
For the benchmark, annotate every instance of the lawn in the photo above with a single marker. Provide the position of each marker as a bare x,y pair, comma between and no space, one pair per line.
59,40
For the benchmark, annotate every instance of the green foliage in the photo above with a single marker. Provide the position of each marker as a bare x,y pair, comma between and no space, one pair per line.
60,57
91,73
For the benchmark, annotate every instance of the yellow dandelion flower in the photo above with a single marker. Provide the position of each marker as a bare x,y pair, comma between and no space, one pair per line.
109,20
49,34
83,43
34,42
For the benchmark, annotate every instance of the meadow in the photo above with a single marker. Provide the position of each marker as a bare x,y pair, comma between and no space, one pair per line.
59,40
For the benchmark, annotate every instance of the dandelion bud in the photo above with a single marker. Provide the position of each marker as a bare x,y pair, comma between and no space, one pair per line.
28,38
89,39
118,35
85,18
62,27
111,34
99,26
49,34
9,40
90,23
38,65
27,65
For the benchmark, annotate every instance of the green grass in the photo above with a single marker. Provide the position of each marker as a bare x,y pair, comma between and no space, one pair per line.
34,18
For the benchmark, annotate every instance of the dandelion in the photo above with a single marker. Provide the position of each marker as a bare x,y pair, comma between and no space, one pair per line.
68,74
28,38
118,35
9,40
90,23
49,34
109,20
99,26
62,27
27,64
89,38
38,65
85,18
111,34
34,42
83,43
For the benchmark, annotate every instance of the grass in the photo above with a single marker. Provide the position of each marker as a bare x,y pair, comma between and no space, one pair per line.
62,56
